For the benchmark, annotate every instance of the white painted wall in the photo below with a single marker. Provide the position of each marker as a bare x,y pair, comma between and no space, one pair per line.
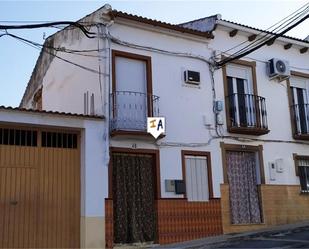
94,174
183,106
276,94
64,84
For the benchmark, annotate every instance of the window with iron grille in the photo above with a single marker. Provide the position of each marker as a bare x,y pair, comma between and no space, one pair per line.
59,140
299,89
18,137
302,170
245,108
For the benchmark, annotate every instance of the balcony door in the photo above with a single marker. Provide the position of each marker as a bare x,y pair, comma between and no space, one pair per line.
241,96
131,91
300,103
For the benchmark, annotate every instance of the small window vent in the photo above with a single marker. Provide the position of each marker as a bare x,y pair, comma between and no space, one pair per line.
18,137
59,140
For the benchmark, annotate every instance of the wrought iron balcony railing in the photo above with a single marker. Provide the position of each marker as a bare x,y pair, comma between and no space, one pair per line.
247,114
300,117
129,110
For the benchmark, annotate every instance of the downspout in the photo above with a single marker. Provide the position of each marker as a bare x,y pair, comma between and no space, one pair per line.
105,55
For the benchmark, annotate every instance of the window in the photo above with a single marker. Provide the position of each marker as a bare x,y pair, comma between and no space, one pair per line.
302,170
197,176
241,97
246,112
131,98
59,140
299,90
18,137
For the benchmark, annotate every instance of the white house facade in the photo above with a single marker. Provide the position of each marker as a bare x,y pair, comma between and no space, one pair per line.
235,153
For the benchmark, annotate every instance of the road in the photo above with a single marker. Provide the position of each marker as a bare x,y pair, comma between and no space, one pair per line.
298,238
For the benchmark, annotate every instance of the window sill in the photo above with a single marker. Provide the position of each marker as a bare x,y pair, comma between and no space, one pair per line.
249,130
301,136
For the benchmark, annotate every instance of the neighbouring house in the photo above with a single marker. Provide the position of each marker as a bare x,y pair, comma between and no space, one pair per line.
50,163
235,154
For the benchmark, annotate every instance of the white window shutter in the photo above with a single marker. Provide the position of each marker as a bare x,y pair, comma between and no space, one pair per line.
197,178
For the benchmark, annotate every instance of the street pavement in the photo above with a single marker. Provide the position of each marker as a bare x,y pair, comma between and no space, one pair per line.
284,236
297,238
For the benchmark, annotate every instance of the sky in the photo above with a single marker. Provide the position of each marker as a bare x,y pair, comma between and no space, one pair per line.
17,59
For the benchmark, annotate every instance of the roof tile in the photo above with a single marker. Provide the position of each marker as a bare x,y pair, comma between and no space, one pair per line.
68,114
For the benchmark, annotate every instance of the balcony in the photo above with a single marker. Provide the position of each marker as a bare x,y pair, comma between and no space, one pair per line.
300,121
129,112
246,114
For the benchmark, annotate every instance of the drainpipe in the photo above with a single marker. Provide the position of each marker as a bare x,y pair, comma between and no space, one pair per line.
105,55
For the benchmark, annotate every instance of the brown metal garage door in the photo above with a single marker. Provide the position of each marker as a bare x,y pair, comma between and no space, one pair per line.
39,188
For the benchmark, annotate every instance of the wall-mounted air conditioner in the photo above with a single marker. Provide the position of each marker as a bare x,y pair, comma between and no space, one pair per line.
192,77
278,68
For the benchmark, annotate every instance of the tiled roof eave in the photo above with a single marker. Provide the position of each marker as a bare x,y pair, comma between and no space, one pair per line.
66,114
114,14
292,39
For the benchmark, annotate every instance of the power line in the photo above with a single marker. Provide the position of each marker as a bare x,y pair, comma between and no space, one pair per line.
1,21
239,55
49,24
267,36
268,29
60,49
45,50
31,22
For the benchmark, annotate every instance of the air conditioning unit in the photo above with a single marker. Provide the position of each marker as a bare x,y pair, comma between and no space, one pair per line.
278,68
192,77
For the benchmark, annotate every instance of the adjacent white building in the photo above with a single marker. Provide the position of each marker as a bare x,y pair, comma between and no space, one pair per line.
234,138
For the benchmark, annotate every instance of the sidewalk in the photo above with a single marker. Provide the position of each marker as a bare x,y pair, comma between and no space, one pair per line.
205,242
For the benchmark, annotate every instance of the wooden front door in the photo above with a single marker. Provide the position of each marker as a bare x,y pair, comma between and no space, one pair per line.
39,189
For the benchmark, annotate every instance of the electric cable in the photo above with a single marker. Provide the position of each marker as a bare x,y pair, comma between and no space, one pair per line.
267,30
226,60
44,50
49,24
297,15
60,49
99,68
265,36
171,53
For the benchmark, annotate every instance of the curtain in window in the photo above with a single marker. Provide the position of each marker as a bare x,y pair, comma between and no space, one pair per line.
244,199
133,198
